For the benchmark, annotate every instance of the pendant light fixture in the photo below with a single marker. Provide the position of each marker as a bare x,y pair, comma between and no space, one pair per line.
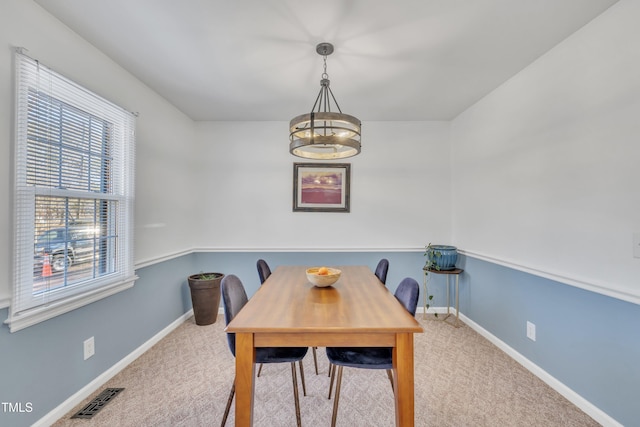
324,133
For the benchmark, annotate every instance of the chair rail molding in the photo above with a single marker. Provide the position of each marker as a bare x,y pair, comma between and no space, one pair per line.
589,286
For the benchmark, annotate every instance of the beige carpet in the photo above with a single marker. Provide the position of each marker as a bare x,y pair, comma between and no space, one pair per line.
461,380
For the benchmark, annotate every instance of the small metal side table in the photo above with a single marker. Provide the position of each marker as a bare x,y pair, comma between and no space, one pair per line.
456,272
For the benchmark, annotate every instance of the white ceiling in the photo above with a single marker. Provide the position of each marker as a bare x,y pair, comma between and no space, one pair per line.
256,59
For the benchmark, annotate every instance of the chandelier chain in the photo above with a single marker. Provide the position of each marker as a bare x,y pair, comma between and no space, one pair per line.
324,74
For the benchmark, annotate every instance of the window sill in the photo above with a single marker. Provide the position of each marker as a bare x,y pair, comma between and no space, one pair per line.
40,314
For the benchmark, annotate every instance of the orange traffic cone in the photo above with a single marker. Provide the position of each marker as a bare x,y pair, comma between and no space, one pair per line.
46,266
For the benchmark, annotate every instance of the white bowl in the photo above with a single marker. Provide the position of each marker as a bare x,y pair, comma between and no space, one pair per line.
323,280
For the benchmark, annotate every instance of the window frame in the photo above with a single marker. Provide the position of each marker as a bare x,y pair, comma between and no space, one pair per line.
28,307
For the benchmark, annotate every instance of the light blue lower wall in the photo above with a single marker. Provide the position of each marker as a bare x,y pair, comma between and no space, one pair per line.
43,365
243,264
589,342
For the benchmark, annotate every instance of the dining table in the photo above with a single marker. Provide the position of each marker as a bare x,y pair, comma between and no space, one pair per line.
356,311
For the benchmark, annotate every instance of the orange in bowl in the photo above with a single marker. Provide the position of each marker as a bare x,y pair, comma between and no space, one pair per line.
323,276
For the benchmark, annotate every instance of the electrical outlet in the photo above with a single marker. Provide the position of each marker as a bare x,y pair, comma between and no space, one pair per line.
636,245
89,348
531,331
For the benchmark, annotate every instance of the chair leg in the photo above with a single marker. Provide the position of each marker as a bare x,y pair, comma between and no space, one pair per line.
390,375
295,393
315,359
332,373
337,398
304,387
226,410
260,369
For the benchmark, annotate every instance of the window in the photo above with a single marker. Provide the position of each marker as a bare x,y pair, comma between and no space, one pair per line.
73,201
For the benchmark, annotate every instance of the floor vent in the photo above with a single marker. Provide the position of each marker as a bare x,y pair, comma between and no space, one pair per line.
98,403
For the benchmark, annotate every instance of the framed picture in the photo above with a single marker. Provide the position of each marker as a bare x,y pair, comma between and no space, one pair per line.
321,187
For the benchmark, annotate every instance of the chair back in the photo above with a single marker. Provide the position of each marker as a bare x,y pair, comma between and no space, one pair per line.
381,270
407,293
234,297
263,270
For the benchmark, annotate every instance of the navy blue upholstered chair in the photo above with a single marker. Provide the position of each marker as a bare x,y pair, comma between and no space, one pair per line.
264,272
381,273
234,297
370,357
382,269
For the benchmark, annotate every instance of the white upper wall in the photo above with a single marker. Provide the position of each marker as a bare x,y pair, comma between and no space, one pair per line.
400,195
164,155
545,168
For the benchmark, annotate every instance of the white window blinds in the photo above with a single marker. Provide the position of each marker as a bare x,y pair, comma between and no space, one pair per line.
74,193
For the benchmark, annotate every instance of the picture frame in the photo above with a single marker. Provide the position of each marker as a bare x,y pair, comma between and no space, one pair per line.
321,187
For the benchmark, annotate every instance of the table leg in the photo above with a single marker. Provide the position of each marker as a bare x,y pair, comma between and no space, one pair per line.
403,380
245,385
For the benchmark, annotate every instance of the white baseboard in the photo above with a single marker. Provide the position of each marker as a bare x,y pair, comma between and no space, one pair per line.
68,405
433,310
586,406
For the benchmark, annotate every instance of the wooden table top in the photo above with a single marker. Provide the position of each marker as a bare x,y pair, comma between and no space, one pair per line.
357,303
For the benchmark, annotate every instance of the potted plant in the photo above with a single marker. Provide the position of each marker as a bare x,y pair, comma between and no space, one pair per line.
439,257
205,296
